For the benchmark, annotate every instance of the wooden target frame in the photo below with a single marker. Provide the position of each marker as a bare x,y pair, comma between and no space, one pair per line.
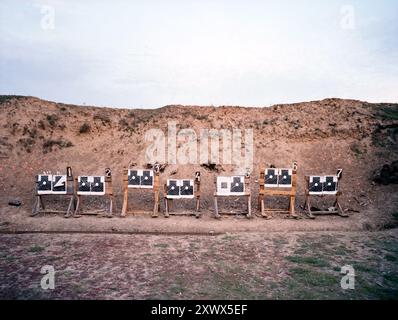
168,201
337,208
247,195
108,195
265,191
39,207
155,189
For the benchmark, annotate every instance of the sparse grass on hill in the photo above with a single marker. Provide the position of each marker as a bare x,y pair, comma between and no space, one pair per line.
5,98
50,143
85,128
103,117
52,119
390,112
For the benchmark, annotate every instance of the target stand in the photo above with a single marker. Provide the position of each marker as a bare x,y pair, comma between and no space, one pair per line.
95,186
233,186
182,189
54,185
323,186
275,182
141,180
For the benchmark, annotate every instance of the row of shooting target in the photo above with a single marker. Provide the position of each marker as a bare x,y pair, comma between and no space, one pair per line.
184,188
58,184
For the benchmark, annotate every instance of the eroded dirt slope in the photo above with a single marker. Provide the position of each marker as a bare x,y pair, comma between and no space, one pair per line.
38,135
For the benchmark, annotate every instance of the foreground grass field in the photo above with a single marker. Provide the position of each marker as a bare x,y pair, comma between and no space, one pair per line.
231,266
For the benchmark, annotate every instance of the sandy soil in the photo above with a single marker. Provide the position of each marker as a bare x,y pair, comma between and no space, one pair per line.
234,266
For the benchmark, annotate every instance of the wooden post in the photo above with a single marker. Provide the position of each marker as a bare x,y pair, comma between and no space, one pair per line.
76,214
293,191
261,192
109,191
197,192
248,195
36,206
125,192
156,183
216,213
70,191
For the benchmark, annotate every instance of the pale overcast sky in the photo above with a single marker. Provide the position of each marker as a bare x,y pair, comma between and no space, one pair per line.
154,53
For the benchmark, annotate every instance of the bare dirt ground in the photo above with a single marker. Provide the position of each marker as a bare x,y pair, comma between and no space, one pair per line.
289,265
17,220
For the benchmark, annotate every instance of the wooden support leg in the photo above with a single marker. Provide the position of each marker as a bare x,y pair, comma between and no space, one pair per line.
260,197
340,210
36,207
197,214
249,207
291,207
156,206
42,206
216,214
308,207
76,214
110,212
125,201
166,205
70,210
263,213
262,209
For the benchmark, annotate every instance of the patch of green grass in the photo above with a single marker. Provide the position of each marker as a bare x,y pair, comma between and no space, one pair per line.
161,245
229,237
392,277
363,268
314,261
231,287
177,288
372,290
391,258
341,251
300,251
36,248
310,277
390,246
10,258
280,241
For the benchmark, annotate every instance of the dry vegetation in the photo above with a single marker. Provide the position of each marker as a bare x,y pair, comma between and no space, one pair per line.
232,266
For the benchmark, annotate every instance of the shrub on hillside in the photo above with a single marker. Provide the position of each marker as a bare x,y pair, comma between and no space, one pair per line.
85,128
